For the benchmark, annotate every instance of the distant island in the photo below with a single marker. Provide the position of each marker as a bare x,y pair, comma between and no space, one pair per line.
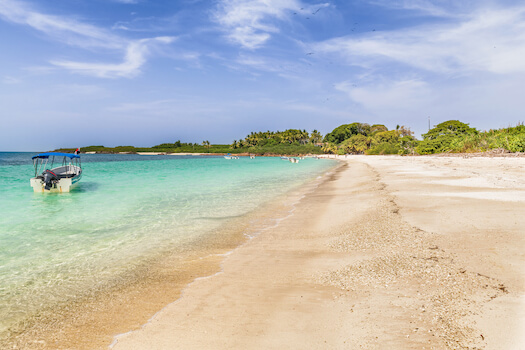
451,136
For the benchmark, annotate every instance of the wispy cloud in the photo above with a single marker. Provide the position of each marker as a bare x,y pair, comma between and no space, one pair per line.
443,8
489,40
86,36
127,1
259,63
136,54
149,24
63,29
251,23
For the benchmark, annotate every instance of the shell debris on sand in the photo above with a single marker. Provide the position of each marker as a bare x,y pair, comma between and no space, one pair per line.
403,260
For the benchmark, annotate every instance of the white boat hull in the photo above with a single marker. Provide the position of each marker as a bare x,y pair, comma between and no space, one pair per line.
62,185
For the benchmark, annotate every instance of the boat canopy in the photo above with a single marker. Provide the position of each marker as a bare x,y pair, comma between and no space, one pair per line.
50,154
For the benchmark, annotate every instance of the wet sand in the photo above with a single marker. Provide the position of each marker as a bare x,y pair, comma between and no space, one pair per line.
389,252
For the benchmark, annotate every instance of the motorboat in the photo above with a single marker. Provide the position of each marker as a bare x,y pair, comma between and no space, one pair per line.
290,159
229,156
56,172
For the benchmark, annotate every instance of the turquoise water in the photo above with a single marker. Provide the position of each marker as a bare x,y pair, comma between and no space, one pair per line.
126,208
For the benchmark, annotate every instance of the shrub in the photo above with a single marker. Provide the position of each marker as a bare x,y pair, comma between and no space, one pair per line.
385,148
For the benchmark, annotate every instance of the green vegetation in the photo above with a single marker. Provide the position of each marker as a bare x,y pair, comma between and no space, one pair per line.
287,137
361,138
291,141
444,136
207,145
176,147
345,131
451,136
454,136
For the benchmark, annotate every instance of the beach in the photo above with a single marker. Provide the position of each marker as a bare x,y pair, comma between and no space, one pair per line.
262,174
379,252
387,252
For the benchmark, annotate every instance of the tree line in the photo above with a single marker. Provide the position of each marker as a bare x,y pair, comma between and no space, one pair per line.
287,137
451,136
353,138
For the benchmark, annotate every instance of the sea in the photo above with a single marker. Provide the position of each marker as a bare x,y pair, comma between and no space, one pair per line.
126,209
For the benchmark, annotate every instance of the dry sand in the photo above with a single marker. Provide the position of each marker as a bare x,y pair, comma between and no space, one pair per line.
388,253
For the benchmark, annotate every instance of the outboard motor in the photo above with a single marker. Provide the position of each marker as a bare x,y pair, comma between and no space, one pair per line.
50,178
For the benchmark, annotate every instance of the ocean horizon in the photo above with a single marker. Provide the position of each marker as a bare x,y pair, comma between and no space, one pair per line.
126,211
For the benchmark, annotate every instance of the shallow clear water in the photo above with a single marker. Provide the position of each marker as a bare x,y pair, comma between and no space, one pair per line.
125,209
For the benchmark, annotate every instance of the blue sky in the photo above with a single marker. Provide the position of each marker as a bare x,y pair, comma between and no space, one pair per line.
143,72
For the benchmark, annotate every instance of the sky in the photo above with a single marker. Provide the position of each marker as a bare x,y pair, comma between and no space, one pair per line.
76,73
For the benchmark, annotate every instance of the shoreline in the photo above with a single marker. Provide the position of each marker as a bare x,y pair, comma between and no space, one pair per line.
243,154
92,321
380,255
383,252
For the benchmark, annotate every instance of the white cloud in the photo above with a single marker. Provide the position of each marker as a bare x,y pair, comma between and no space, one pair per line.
442,8
63,29
135,57
86,36
248,37
489,40
259,63
251,23
150,24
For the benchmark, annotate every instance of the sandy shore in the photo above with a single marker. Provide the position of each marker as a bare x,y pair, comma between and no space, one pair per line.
389,252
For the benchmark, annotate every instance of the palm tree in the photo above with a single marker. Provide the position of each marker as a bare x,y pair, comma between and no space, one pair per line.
330,148
316,137
207,145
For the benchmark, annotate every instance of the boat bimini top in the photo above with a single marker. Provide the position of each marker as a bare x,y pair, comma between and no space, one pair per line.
56,154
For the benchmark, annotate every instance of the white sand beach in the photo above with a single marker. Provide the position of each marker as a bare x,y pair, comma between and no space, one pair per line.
388,253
